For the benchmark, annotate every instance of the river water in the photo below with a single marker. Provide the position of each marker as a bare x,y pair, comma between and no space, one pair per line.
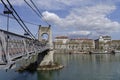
77,67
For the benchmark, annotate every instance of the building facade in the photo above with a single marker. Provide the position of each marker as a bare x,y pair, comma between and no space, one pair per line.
81,45
61,42
103,43
115,44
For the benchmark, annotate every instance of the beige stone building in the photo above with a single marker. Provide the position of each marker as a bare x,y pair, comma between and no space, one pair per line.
103,43
61,42
115,44
80,45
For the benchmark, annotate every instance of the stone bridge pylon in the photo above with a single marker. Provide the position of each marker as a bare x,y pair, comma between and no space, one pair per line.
48,31
48,59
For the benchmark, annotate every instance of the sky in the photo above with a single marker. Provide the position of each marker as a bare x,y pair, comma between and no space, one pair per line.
73,18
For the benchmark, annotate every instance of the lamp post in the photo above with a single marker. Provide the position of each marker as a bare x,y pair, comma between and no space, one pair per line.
6,11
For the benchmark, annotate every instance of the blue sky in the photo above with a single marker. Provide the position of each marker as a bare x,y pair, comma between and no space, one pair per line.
74,18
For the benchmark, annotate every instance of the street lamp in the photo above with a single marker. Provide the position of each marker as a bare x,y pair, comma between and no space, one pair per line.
6,11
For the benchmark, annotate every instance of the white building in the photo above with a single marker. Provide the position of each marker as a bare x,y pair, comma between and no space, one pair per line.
105,38
63,39
103,42
61,42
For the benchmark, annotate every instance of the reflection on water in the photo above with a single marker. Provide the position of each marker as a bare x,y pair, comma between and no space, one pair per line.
45,75
90,67
12,75
77,67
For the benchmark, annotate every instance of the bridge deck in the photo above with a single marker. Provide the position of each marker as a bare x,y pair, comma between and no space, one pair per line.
14,47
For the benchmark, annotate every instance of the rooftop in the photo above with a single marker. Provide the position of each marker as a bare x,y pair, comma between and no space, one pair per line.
81,39
61,37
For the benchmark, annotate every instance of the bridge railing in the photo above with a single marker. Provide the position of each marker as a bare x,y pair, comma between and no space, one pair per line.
14,46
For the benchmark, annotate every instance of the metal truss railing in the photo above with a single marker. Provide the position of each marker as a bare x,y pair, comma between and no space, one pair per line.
14,47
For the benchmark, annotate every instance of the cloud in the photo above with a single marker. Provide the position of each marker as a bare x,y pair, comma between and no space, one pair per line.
85,33
51,17
60,4
15,2
92,18
85,16
43,4
57,4
63,4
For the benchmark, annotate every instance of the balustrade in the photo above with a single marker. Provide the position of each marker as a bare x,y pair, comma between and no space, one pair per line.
14,45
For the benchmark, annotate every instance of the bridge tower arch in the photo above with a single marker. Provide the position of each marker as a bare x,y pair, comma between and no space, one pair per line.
48,31
48,59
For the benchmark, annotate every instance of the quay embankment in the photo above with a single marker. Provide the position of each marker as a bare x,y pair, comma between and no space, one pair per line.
84,52
70,51
50,67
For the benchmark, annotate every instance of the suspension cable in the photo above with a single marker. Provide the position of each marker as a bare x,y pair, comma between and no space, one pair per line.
14,16
38,13
1,14
32,8
20,19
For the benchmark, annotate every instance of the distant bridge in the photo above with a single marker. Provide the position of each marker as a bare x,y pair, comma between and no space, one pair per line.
18,51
